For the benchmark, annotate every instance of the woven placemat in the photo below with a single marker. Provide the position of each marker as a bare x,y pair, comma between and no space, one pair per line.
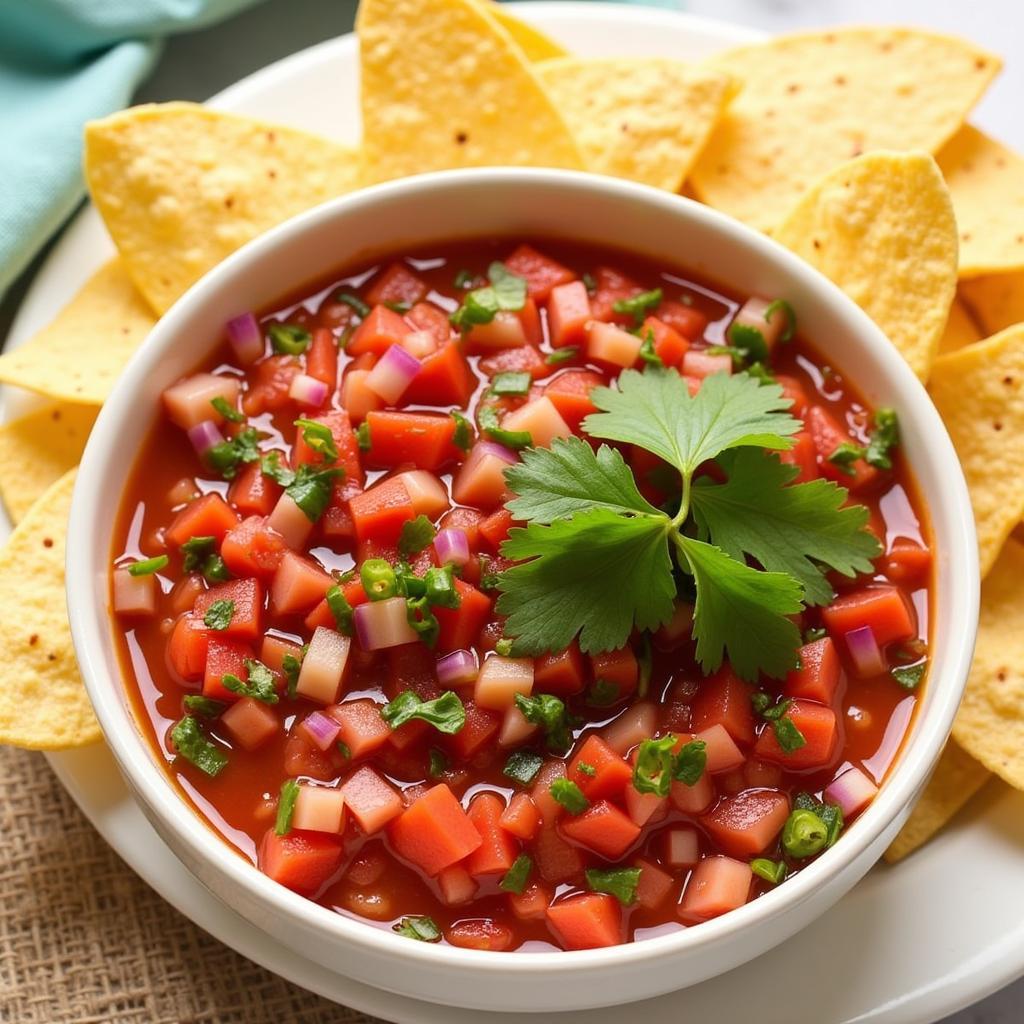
83,940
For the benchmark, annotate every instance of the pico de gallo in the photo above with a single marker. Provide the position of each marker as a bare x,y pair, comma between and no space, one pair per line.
523,595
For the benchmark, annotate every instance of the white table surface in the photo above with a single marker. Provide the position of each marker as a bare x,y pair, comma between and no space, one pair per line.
196,66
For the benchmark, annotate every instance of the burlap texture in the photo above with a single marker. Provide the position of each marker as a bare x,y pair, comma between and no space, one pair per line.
84,941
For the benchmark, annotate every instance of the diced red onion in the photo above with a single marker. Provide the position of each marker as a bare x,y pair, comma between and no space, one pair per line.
321,729
852,792
498,450
456,669
393,373
308,390
204,436
452,546
246,338
865,652
381,624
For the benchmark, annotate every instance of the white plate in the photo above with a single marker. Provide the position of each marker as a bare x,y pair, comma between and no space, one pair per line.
909,945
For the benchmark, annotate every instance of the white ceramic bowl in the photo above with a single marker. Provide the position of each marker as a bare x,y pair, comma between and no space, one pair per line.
404,216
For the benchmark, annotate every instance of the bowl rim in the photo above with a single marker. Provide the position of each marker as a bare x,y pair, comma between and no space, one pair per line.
150,783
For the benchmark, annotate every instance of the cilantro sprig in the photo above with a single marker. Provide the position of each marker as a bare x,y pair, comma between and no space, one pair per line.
598,561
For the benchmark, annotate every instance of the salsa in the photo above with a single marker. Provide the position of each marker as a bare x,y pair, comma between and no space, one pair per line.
438,608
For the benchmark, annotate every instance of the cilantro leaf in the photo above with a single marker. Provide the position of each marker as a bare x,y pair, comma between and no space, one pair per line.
742,613
318,436
507,291
416,535
190,743
618,882
549,713
271,466
259,685
219,615
793,529
655,411
596,574
311,489
419,927
639,305
569,477
445,713
228,455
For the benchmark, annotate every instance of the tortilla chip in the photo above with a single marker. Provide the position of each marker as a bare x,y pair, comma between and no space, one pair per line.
961,328
535,45
957,777
812,100
979,392
443,85
43,704
996,301
646,120
180,186
882,227
990,724
80,354
987,183
38,449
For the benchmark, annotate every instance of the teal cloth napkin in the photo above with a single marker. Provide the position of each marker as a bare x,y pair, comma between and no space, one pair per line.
63,62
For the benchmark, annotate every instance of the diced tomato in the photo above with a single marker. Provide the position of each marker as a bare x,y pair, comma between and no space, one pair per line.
424,439
300,861
907,562
481,933
481,728
570,394
224,657
381,329
434,832
425,316
494,528
689,322
610,775
532,903
362,729
379,513
819,673
445,378
396,284
461,626
411,667
525,359
587,921
521,817
563,674
820,730
497,849
828,435
716,886
269,390
745,825
252,492
885,609
298,585
253,549
611,288
654,886
247,616
804,456
724,699
344,440
208,516
794,391
550,809
322,357
568,314
371,801
669,345
186,648
616,668
541,272
720,749
557,860
602,828
273,651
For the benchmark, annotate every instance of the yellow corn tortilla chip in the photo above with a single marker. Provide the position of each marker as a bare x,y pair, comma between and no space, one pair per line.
987,183
39,448
646,120
43,704
882,227
535,45
979,392
990,724
957,777
443,85
961,328
78,356
997,301
180,187
812,100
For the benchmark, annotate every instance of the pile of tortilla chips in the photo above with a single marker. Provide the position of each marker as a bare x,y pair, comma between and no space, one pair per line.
845,145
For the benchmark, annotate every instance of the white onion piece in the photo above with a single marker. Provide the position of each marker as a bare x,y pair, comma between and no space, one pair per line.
608,343
851,792
426,492
682,847
323,666
634,725
540,419
134,595
188,402
319,809
393,373
515,729
499,681
291,522
697,363
308,390
382,624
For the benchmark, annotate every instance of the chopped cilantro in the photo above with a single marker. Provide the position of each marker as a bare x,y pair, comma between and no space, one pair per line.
148,566
549,713
507,291
190,743
291,666
789,331
652,769
319,438
690,762
286,807
488,579
339,607
511,383
416,535
353,302
271,466
215,570
603,693
639,305
877,452
421,928
196,703
445,713
515,879
228,455
618,882
289,339
562,355
437,763
503,647
789,737
589,283
586,769
343,748
219,615
463,436
228,412
311,489
909,676
749,341
195,550
259,685
647,351
491,426
569,795
464,279
363,436
815,633
522,766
